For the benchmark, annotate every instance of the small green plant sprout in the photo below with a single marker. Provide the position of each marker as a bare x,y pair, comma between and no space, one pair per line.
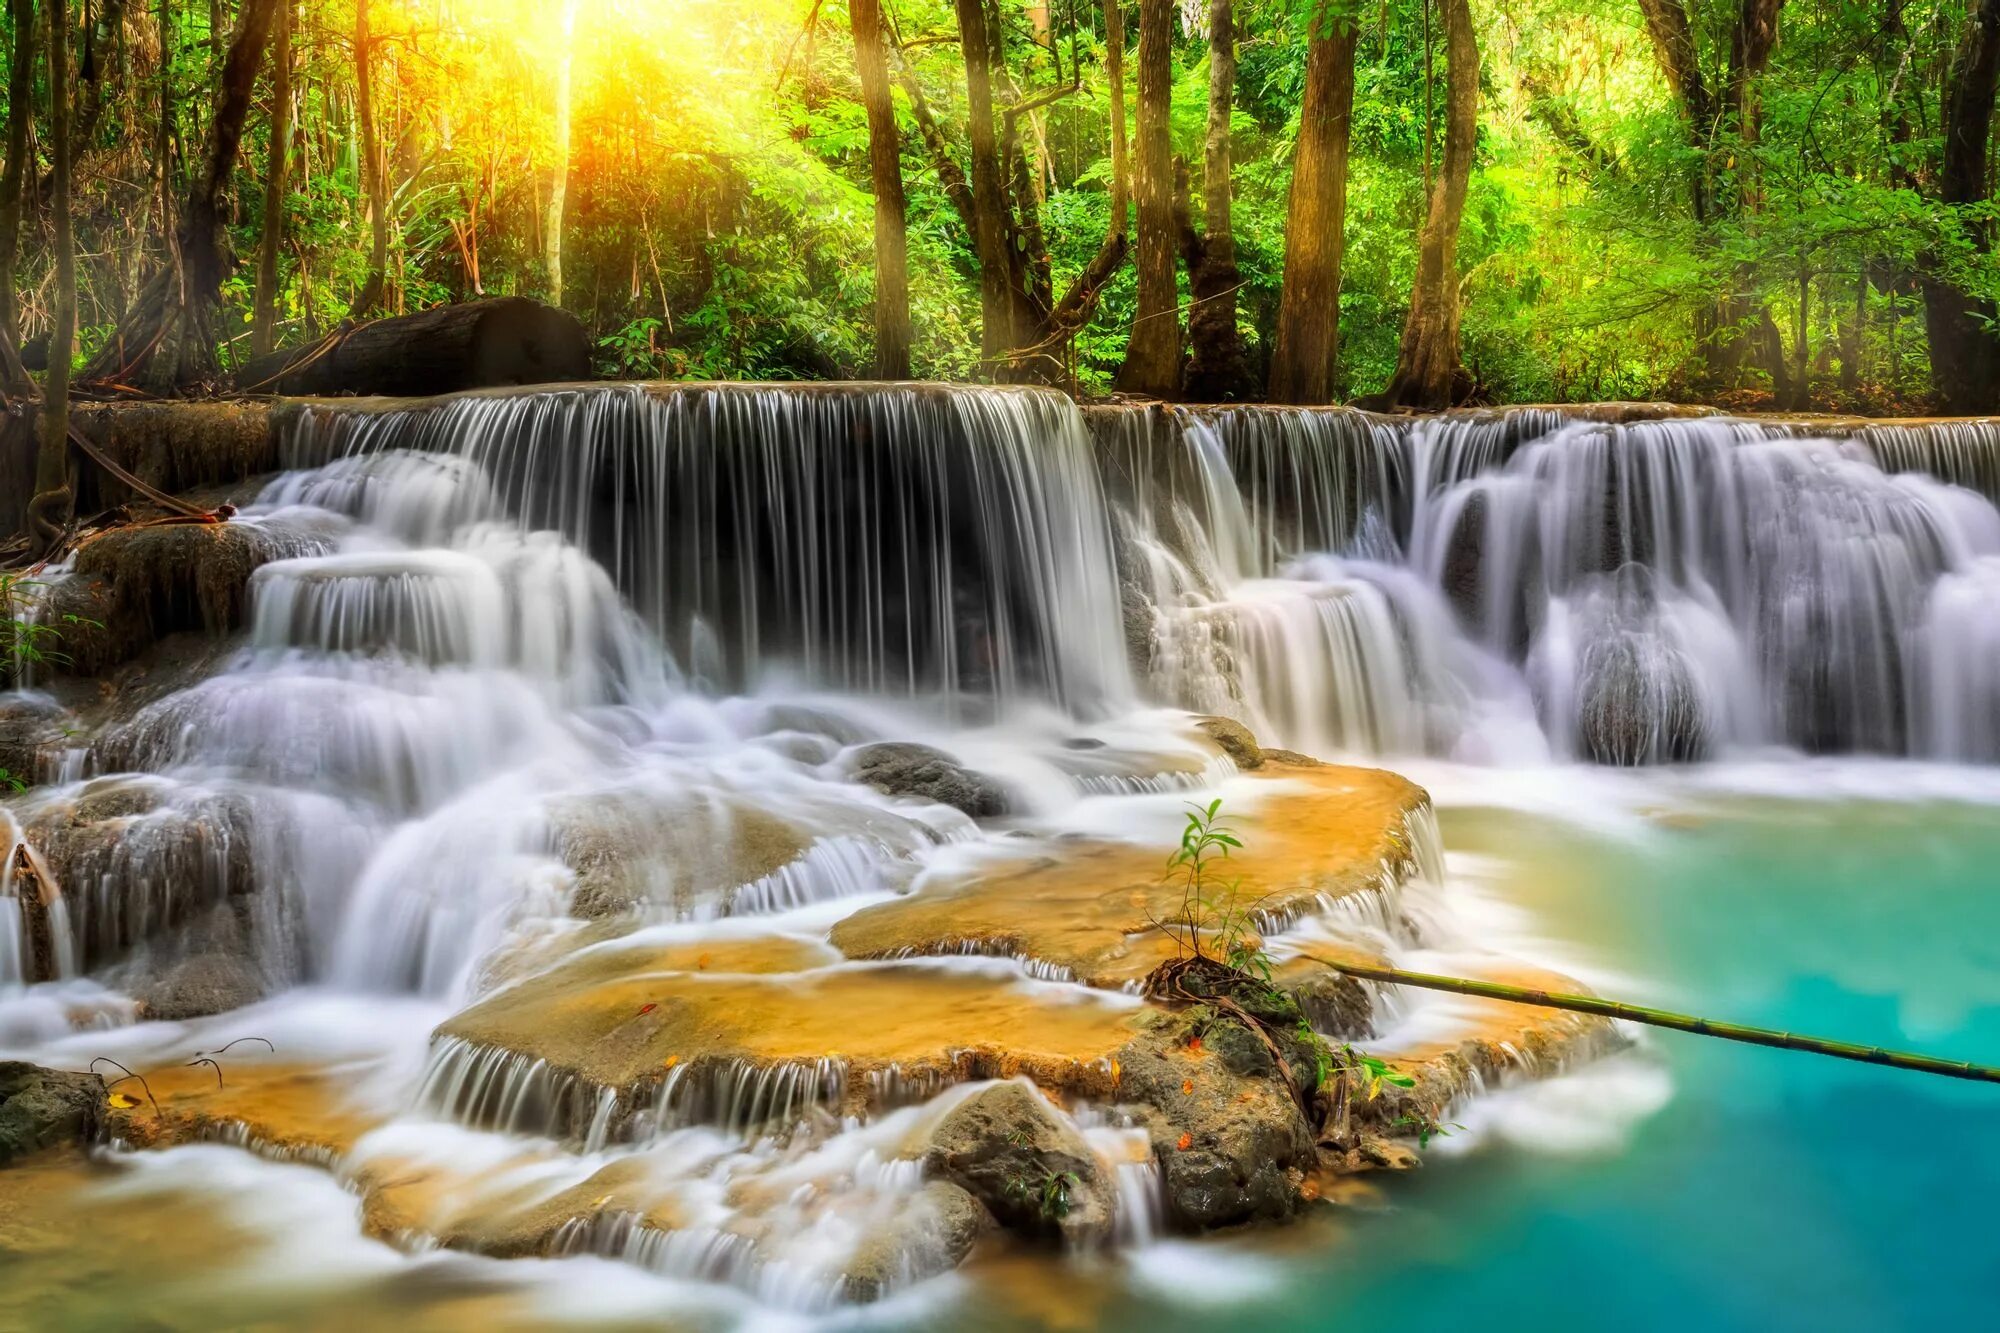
1049,1196
1211,913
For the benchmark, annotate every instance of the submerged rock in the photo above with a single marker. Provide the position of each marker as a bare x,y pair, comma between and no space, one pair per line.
932,1235
903,768
46,1108
1009,1149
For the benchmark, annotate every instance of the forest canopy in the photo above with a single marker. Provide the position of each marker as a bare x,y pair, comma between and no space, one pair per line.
1761,202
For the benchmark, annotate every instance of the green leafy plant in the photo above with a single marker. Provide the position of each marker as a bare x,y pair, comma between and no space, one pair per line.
1049,1194
25,641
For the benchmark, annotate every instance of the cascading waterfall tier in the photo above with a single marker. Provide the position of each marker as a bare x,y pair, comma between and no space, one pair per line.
1516,585
902,540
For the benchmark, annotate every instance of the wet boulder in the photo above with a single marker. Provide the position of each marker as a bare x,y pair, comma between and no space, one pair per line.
1233,739
133,586
46,1108
903,768
199,986
33,729
933,1234
1232,1143
1008,1148
1639,703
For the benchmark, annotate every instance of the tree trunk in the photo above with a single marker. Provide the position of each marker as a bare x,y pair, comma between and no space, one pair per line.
48,512
1153,357
559,183
1965,351
166,342
989,194
1304,364
498,342
1218,370
374,169
20,115
1047,359
1429,373
263,329
885,164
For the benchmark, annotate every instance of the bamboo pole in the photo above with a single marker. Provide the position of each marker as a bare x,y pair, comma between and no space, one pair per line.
1662,1018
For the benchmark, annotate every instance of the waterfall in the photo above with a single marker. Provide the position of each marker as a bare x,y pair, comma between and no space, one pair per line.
904,539
1486,585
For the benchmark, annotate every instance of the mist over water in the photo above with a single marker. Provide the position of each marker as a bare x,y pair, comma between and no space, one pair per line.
643,633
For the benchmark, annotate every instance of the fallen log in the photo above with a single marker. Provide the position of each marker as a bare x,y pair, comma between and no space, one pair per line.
494,343
1665,1018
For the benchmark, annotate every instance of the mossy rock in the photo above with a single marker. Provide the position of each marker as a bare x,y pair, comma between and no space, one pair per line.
46,1108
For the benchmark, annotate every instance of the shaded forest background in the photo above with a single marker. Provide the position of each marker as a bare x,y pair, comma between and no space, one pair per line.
1782,203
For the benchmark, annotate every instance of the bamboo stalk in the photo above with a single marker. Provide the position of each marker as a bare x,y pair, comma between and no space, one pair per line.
1662,1018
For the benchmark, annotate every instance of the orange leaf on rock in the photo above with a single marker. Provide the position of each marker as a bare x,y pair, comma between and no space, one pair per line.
1187,1141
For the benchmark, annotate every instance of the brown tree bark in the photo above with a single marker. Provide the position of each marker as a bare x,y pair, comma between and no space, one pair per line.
1724,127
1153,357
20,114
264,319
1308,346
166,343
989,194
48,512
374,168
885,169
1429,373
1218,369
1965,352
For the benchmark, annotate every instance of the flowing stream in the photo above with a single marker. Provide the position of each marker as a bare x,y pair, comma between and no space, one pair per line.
1703,702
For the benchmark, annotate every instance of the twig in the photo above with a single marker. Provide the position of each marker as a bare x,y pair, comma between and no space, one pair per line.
129,1075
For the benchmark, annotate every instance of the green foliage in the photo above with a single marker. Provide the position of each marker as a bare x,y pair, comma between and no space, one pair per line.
26,642
719,206
1047,1194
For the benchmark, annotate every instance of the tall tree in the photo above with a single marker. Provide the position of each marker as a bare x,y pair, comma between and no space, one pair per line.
1217,369
48,510
559,184
885,163
1965,346
1306,359
990,218
374,168
1724,129
264,319
20,117
167,341
1153,357
1429,372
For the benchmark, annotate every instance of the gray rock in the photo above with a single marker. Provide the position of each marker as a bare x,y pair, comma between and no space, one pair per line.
1227,1131
1235,740
46,1108
208,983
31,727
1007,1148
932,1235
902,768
